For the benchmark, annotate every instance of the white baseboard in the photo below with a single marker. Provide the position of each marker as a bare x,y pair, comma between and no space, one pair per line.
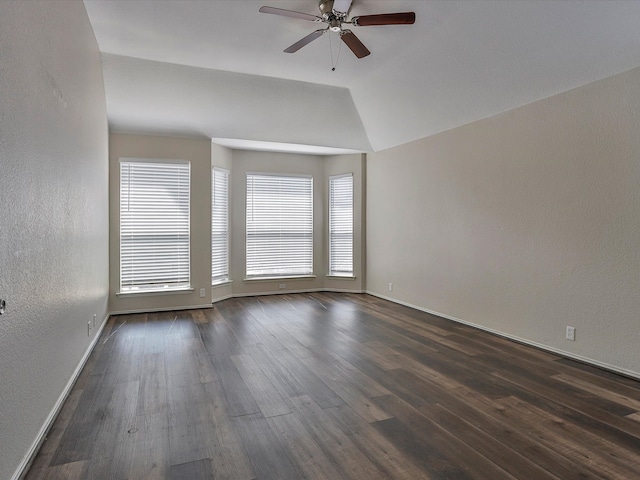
27,460
219,299
541,346
163,309
277,292
281,292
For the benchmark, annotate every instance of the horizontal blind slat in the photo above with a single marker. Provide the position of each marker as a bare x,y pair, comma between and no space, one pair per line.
154,225
219,225
341,225
279,216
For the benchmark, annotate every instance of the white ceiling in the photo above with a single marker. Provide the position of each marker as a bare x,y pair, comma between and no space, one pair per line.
216,68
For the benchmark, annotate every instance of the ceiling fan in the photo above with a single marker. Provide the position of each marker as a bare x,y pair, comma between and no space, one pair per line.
335,14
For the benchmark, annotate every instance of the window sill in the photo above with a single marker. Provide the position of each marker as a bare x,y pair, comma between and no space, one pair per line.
341,277
221,283
153,293
273,279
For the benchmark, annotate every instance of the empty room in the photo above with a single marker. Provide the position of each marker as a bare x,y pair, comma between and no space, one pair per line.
319,239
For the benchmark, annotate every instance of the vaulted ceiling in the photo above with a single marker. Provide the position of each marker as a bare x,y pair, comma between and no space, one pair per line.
216,68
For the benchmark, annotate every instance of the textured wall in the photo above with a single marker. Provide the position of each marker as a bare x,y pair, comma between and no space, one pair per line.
53,210
522,223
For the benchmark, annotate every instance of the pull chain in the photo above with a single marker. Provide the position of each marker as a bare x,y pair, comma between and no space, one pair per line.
334,65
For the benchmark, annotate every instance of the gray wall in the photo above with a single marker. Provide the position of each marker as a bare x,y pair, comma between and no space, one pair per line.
53,212
522,223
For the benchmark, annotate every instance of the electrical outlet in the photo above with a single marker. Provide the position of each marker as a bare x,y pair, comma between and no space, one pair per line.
88,329
282,285
571,333
202,293
390,287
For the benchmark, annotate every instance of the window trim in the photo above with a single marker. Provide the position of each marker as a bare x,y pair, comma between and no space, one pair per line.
335,273
220,280
311,254
160,289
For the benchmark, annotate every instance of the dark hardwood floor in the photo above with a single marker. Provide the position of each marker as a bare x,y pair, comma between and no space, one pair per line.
334,386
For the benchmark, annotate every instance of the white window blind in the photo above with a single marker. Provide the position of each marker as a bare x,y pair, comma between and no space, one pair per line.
279,225
219,225
341,225
154,225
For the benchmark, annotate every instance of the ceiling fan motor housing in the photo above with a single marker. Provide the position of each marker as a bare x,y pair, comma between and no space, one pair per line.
326,9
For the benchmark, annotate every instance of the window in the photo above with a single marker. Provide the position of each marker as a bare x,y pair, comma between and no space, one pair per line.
341,225
279,225
219,225
154,225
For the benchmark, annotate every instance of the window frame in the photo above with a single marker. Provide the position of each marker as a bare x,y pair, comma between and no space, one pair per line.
222,277
305,233
149,225
333,271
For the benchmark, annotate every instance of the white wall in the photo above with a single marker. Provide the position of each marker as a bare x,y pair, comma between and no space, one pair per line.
53,212
198,152
521,223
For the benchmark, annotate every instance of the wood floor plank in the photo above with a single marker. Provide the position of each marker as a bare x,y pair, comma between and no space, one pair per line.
634,416
228,455
623,399
265,449
187,435
437,450
198,470
152,397
489,447
375,446
346,456
310,383
269,401
151,450
602,412
349,392
218,339
475,412
575,442
281,332
302,448
78,441
52,440
114,442
68,471
239,400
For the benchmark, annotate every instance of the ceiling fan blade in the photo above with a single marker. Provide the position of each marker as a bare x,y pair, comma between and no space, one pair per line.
356,46
403,18
306,40
341,6
290,13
